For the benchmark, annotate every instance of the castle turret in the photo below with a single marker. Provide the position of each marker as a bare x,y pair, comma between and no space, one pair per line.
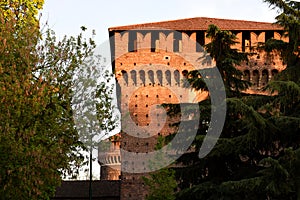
109,159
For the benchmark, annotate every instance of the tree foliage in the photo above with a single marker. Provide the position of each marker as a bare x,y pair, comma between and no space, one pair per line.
289,18
162,183
92,103
38,139
257,155
226,59
23,12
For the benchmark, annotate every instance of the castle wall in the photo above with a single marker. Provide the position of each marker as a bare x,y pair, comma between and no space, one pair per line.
150,66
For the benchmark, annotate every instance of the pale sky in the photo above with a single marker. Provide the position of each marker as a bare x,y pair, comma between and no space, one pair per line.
66,17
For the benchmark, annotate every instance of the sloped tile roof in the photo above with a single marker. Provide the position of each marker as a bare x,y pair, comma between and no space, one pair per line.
201,23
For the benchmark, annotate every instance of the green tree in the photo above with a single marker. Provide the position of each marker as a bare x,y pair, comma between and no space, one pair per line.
38,139
289,19
93,105
162,183
226,58
23,12
257,155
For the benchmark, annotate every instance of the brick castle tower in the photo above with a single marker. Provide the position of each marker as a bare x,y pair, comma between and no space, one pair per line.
149,61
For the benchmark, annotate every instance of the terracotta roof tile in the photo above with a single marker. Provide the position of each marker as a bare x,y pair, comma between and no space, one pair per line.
201,23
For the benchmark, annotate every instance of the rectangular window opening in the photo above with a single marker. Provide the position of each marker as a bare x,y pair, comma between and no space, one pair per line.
132,41
246,41
177,43
200,39
154,41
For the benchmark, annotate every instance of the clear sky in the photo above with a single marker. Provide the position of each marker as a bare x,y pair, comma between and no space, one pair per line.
66,16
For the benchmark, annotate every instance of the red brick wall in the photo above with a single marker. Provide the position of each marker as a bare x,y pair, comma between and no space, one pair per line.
137,96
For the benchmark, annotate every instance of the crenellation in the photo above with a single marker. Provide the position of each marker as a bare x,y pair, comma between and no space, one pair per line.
144,41
162,42
121,43
185,42
169,42
239,40
277,36
206,39
254,39
261,37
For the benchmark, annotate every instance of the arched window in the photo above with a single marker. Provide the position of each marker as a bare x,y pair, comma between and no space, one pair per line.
246,75
125,76
133,76
177,77
168,77
255,79
264,77
159,76
142,76
151,77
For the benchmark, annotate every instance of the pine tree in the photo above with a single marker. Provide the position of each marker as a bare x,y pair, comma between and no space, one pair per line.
289,19
257,155
225,58
161,183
